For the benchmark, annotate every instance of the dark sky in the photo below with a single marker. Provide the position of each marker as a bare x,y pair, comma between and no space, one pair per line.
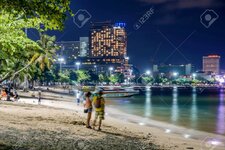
175,23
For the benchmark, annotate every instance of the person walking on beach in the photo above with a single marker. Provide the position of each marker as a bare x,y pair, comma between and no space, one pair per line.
78,96
99,103
15,95
39,96
88,108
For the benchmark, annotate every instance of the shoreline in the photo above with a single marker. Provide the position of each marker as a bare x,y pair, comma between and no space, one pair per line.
121,122
143,121
156,128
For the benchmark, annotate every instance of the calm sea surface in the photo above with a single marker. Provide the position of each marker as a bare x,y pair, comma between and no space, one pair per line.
205,112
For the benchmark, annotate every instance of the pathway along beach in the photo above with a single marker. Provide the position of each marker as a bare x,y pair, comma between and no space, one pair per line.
59,124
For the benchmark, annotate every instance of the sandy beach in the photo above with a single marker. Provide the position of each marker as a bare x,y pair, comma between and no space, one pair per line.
60,124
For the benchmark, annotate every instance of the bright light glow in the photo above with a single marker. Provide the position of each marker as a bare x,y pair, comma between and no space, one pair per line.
148,72
214,142
95,66
148,88
194,75
187,136
111,68
61,59
175,74
167,131
221,80
127,58
78,63
141,124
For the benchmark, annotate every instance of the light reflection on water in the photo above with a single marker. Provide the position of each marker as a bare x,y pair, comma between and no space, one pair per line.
175,107
148,105
194,111
206,113
221,116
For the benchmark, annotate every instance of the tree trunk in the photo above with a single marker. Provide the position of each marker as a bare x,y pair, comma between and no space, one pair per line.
9,75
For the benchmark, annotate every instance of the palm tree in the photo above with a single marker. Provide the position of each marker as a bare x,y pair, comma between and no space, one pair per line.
42,58
47,44
45,56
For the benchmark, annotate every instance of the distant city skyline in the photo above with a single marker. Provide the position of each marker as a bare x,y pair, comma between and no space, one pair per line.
172,34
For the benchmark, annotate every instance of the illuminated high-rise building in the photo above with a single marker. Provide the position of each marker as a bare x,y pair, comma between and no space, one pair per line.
211,64
107,47
69,50
84,47
108,41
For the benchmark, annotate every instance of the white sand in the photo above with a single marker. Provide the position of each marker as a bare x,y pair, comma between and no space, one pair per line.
59,124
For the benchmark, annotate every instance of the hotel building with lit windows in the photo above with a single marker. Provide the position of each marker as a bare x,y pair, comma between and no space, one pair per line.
107,46
211,64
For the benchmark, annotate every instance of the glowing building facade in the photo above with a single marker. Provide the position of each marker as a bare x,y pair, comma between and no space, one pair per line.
108,42
108,45
211,64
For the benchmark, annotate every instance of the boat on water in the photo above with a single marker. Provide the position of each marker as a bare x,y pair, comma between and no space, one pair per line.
118,92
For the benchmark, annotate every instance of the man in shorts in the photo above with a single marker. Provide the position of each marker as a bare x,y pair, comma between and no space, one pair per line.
99,103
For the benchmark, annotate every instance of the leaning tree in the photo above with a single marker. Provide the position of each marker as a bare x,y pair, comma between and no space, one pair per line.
17,51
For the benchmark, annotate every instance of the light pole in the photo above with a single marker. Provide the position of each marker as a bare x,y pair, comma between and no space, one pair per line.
128,80
78,65
96,69
194,76
61,60
148,72
175,74
110,70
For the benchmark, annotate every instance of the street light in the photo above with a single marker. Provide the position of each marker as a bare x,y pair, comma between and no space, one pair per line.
78,65
110,70
175,74
194,76
96,69
148,72
61,60
127,58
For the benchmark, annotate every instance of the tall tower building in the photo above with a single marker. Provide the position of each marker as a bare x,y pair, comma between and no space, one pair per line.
108,41
69,50
211,64
84,47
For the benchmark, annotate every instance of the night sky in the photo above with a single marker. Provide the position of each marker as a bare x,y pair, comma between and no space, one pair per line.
175,23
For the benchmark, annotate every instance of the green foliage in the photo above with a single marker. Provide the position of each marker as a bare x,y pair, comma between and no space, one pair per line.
147,79
121,77
82,76
73,76
116,78
113,79
48,47
160,79
93,76
103,78
15,48
64,77
17,52
49,13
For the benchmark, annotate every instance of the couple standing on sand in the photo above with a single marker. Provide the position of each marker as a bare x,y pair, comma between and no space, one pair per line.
99,104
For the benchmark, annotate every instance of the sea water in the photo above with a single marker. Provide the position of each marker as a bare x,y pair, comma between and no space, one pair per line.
193,111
